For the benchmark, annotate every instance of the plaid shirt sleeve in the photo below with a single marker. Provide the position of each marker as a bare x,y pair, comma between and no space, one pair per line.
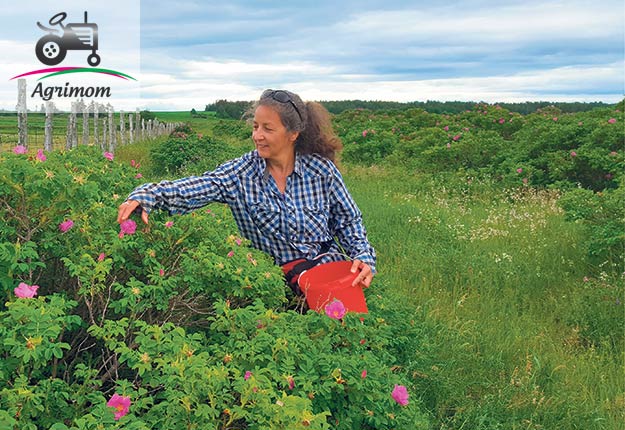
187,194
346,222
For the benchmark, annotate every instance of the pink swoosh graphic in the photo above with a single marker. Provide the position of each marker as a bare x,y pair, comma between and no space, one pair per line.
49,70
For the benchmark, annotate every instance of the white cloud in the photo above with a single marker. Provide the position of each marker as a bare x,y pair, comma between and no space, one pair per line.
559,84
521,22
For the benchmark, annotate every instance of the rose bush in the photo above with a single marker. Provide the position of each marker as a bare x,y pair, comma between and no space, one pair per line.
174,325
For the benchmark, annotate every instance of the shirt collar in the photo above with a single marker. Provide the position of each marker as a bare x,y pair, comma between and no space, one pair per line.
261,164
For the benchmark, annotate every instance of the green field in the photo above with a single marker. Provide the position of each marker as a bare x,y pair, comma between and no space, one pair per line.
505,288
521,327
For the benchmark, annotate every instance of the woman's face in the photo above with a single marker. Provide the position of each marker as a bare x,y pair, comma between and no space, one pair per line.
270,136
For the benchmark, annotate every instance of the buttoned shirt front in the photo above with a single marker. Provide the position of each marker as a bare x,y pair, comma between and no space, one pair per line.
314,209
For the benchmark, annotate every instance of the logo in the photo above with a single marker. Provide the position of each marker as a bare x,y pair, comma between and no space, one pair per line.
52,48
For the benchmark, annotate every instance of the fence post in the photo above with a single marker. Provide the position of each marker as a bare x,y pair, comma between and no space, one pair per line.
112,128
131,130
104,133
122,128
48,131
96,136
22,113
71,139
85,123
137,122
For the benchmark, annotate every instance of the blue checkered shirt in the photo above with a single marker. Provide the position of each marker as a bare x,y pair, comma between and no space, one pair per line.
314,209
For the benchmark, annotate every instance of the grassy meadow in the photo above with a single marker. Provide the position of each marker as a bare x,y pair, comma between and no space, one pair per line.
518,321
506,293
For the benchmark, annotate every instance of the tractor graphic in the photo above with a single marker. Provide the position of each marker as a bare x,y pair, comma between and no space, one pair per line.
52,48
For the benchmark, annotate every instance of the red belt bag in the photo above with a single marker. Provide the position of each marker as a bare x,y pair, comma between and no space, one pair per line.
293,269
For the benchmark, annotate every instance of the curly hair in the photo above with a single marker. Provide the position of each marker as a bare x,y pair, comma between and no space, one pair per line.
310,119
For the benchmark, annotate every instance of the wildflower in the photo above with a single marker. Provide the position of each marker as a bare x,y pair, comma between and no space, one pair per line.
456,138
161,272
519,170
101,256
66,225
168,224
231,254
586,279
611,120
364,133
501,120
108,156
20,149
448,145
127,227
573,154
446,128
41,156
133,163
25,291
248,375
363,375
291,382
335,310
555,118
400,394
238,241
138,176
121,405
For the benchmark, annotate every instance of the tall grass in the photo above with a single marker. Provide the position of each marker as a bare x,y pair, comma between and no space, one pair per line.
521,330
504,285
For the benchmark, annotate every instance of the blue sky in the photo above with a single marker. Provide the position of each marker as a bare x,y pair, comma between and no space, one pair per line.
195,52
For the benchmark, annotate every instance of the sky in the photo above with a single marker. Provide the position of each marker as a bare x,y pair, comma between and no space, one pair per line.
193,52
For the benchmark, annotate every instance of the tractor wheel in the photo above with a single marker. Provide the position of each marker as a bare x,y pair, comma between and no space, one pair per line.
50,50
93,59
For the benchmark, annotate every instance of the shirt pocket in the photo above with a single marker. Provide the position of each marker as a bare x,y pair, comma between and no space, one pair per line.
265,216
315,223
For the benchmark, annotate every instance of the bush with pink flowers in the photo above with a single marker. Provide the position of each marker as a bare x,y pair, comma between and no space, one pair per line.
177,325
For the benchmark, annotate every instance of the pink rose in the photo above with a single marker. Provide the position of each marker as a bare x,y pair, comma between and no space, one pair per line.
20,149
121,405
400,394
66,225
336,310
25,291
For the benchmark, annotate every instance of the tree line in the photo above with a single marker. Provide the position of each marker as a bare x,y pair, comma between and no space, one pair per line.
236,109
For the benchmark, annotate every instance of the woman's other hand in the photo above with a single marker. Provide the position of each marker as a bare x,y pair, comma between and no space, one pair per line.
365,276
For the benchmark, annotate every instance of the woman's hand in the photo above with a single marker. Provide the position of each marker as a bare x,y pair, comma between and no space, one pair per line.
127,208
366,274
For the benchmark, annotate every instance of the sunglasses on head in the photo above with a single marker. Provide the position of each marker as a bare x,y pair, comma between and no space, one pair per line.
282,97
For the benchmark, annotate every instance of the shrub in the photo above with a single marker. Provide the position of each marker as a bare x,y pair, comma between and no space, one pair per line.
187,151
171,317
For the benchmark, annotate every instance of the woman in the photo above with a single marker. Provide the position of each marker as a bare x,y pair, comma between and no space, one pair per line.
287,196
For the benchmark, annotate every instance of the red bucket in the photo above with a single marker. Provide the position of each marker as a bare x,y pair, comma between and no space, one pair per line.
326,282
